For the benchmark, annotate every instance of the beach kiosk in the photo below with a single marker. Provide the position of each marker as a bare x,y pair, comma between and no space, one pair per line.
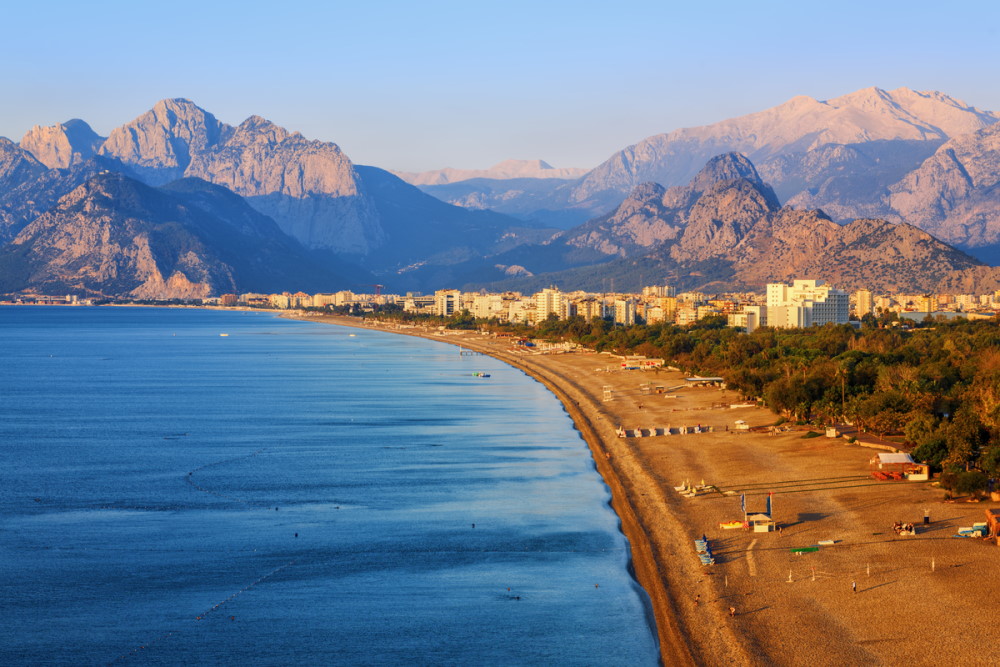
897,466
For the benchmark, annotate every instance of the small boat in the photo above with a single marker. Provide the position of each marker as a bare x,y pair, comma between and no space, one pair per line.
480,374
223,335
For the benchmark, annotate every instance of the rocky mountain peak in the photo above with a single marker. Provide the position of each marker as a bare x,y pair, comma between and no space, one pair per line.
258,130
160,143
725,167
62,145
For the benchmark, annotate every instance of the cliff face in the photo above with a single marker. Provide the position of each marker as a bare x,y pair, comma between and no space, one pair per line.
955,194
63,145
309,187
114,236
159,144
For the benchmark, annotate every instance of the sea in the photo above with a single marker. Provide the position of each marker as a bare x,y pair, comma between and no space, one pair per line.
186,486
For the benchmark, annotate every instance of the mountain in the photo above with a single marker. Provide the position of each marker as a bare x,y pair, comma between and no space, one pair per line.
652,215
158,145
114,236
726,230
540,201
310,188
39,191
508,169
798,126
955,193
63,145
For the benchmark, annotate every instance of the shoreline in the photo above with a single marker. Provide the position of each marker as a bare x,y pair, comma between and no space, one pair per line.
651,574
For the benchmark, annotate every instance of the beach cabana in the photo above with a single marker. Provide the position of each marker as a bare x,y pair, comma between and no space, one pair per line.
897,466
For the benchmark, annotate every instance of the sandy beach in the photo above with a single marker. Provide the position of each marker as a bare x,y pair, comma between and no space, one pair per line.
865,596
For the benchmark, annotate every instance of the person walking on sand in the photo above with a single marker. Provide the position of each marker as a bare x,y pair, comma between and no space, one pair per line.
732,611
854,586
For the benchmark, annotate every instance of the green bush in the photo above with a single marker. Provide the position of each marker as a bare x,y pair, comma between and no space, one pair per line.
811,434
971,483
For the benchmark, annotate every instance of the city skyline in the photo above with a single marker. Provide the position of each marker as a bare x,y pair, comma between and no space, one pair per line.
446,84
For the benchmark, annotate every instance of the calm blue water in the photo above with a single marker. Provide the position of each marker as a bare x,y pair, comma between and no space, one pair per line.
154,475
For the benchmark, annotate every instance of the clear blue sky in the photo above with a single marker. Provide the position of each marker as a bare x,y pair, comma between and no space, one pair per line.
423,85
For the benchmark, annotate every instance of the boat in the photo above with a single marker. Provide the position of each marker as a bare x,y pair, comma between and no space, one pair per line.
480,374
223,335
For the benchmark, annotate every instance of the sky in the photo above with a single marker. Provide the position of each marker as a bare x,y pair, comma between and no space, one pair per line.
415,86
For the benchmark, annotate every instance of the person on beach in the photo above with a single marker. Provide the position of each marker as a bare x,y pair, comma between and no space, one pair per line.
732,611
854,587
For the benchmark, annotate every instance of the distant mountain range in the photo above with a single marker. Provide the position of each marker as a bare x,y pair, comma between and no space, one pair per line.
726,230
178,203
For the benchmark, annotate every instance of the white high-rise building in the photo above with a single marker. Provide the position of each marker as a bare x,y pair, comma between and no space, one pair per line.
549,301
805,303
447,302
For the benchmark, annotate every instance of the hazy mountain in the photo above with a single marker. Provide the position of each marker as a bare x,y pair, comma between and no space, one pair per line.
508,169
798,126
537,200
114,236
839,155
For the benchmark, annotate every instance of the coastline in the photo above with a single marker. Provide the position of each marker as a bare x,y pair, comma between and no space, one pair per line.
858,594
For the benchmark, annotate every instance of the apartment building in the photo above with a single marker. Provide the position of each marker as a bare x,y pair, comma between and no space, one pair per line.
806,303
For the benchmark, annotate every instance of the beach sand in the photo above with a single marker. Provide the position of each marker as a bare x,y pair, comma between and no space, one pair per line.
920,600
